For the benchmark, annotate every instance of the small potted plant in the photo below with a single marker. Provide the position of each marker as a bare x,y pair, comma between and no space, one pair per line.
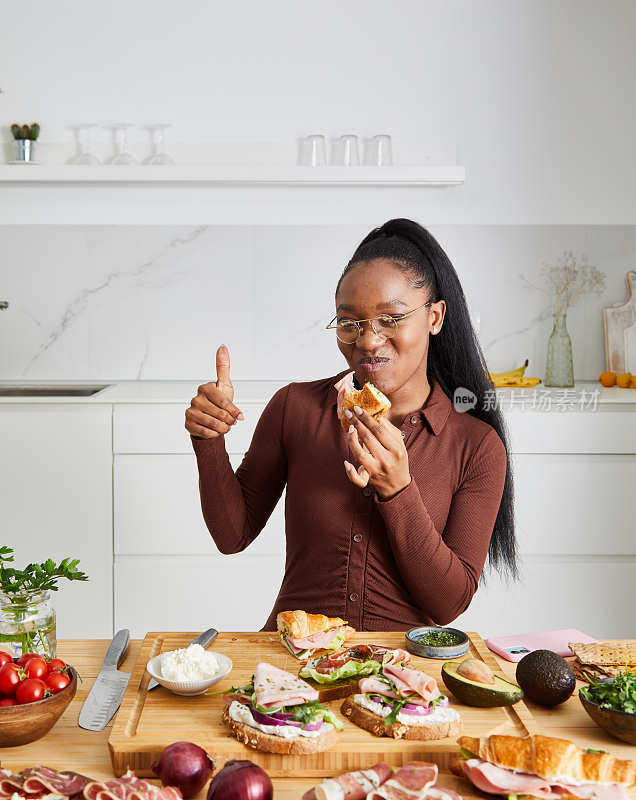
24,138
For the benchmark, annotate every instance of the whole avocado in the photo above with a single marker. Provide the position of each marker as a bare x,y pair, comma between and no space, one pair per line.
545,677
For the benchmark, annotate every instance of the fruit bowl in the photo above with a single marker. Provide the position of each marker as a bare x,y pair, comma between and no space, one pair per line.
619,724
26,723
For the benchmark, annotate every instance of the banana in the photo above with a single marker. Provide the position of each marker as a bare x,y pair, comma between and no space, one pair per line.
512,373
520,382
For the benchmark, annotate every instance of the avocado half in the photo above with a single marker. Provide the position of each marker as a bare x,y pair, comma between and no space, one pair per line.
482,695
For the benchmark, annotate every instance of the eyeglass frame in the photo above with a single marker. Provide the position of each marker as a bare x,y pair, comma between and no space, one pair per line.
331,326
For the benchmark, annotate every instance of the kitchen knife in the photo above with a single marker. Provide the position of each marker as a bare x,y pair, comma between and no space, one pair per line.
105,697
203,639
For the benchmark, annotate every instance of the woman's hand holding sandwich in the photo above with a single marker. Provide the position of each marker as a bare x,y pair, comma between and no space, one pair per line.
212,412
378,448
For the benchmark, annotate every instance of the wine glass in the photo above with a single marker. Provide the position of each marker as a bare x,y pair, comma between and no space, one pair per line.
158,155
120,134
83,136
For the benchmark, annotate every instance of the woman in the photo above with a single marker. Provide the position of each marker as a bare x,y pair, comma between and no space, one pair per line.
388,525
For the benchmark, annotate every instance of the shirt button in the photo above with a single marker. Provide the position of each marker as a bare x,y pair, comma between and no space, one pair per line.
403,434
354,596
357,537
413,420
367,491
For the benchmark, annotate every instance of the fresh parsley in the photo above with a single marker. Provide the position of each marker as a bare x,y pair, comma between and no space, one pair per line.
18,583
618,694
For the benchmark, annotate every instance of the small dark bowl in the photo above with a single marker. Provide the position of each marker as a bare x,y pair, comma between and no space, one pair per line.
433,651
31,721
619,724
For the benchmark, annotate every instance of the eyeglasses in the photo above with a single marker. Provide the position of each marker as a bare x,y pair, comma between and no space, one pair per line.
348,331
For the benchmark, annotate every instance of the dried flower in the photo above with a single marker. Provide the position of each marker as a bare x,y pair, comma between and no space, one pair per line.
567,280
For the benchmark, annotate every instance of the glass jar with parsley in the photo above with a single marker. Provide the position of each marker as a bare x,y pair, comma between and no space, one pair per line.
27,619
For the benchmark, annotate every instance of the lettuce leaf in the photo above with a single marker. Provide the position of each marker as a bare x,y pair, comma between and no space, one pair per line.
350,669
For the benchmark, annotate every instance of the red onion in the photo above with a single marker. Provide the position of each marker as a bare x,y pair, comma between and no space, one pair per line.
412,708
283,719
184,765
241,780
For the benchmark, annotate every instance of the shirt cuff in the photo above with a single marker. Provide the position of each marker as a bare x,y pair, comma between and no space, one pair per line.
383,502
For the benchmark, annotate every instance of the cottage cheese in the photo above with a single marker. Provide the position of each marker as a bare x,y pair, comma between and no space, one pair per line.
438,714
241,713
191,663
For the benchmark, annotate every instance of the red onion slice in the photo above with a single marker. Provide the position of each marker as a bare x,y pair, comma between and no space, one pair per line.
267,719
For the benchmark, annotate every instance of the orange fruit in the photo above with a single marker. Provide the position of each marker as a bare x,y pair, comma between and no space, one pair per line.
633,382
624,380
607,378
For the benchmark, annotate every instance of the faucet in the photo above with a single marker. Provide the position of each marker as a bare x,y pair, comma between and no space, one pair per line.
4,304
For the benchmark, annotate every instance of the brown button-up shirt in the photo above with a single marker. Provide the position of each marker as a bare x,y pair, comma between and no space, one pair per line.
380,564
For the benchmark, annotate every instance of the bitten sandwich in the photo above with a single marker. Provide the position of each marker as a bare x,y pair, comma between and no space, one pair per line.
304,634
279,713
336,675
369,398
541,766
402,703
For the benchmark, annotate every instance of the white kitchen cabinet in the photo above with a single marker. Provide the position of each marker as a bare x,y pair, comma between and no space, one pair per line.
56,500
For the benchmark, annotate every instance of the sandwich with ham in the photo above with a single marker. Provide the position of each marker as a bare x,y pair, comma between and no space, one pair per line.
305,634
336,675
369,399
402,703
541,766
279,713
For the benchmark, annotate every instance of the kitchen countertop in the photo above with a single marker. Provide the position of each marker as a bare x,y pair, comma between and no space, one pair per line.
67,746
584,396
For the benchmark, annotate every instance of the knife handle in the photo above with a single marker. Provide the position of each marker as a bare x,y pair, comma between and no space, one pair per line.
206,637
117,648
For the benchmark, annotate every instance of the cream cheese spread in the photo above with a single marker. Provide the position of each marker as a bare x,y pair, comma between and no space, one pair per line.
241,713
439,714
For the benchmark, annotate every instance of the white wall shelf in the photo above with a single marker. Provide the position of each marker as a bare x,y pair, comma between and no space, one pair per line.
234,175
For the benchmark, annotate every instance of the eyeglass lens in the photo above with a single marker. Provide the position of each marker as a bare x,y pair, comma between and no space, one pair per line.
348,332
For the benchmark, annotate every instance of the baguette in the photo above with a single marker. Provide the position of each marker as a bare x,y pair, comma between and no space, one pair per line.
550,758
267,743
375,724
299,624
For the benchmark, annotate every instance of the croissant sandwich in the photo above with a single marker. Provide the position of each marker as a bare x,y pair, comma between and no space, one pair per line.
303,634
542,766
369,398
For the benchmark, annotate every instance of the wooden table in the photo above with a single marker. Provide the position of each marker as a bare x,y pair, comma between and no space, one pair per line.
68,746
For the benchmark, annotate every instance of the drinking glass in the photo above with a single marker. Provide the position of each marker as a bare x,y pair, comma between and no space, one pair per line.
312,151
344,151
378,151
83,137
120,135
158,155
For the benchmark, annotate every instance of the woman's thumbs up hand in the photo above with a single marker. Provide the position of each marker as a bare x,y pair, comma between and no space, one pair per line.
212,412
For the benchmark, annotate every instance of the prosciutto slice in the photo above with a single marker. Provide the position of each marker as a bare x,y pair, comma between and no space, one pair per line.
39,781
410,782
275,687
129,787
351,785
500,780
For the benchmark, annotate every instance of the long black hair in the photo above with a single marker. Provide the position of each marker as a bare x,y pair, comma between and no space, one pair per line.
455,357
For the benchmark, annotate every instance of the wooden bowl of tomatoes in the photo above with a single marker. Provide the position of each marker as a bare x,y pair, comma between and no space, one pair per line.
34,693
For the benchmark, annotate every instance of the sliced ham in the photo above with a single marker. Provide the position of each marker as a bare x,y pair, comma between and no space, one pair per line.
412,681
411,781
494,779
316,640
275,687
373,685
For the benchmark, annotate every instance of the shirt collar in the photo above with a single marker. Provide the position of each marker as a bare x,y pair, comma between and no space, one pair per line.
435,410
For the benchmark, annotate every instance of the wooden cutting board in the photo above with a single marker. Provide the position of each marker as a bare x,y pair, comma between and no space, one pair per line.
149,721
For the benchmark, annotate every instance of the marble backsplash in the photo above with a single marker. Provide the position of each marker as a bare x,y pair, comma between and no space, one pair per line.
128,302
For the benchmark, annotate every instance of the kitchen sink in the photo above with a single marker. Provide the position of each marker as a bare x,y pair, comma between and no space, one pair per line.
50,391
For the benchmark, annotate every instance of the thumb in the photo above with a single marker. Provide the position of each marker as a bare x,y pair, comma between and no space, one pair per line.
223,367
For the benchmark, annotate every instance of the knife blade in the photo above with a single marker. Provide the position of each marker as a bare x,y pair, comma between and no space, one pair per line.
203,639
107,692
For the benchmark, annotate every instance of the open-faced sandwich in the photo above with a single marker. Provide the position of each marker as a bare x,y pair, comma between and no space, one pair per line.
336,675
279,713
541,766
306,634
403,703
369,398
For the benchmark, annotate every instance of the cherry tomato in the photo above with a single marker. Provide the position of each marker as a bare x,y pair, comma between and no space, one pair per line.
8,701
10,677
56,663
56,681
30,690
5,658
25,657
35,667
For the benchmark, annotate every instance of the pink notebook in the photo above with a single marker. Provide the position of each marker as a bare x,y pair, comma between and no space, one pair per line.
514,648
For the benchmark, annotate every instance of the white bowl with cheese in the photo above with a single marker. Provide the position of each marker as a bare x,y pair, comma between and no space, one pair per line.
190,670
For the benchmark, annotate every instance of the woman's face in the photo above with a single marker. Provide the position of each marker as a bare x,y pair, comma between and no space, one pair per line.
375,287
